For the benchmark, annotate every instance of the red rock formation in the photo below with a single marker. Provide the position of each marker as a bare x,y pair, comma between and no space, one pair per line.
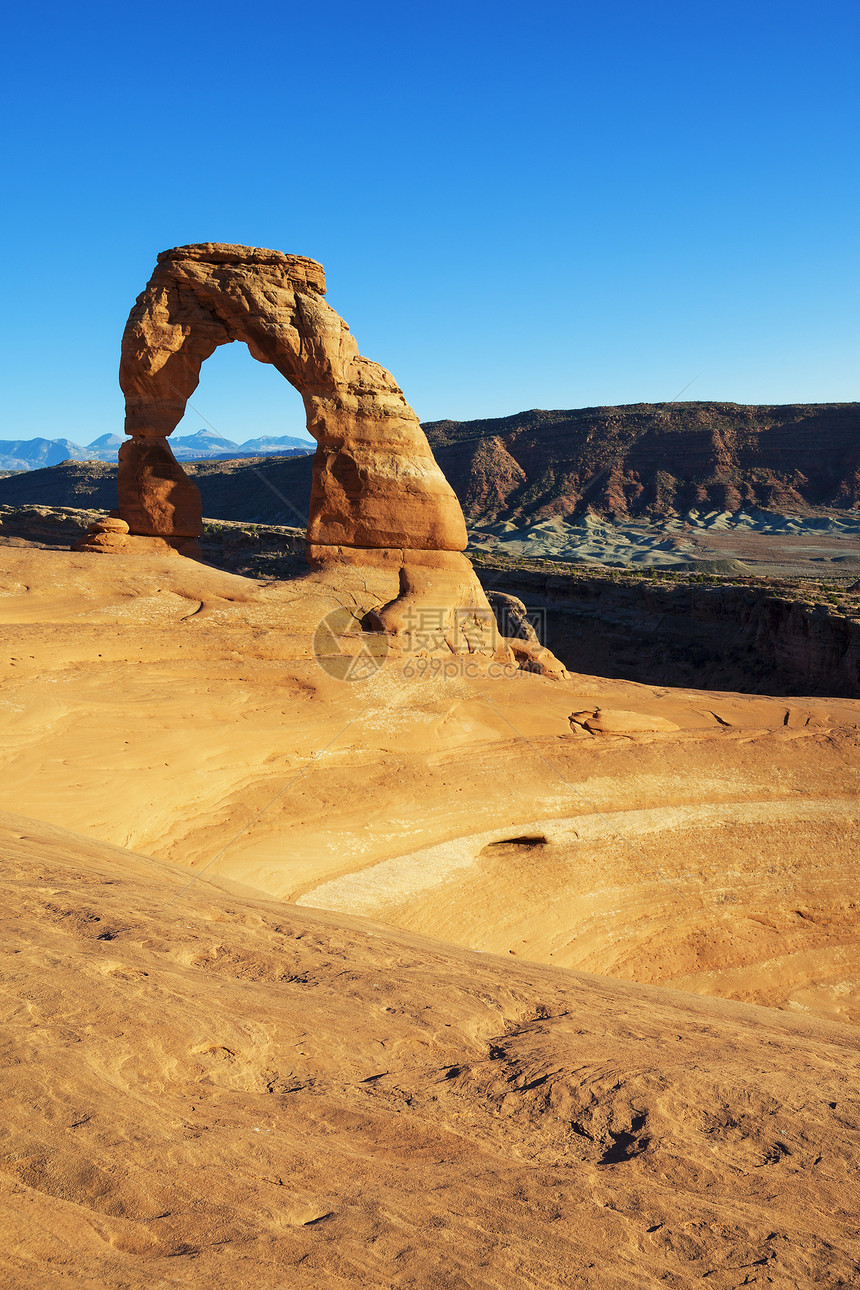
378,495
156,497
376,483
649,457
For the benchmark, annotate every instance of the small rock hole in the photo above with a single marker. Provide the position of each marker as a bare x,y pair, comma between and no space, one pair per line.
527,842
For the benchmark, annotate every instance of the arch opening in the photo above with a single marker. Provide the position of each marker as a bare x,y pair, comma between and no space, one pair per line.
243,402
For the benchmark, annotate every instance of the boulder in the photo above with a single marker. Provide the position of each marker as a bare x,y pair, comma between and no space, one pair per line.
512,616
618,721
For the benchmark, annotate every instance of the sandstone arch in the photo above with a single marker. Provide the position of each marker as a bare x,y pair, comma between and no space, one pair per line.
378,495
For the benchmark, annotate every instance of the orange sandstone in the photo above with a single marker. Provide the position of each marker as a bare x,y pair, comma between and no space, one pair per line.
378,496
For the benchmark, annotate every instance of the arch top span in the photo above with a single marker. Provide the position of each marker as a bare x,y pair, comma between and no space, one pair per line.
299,267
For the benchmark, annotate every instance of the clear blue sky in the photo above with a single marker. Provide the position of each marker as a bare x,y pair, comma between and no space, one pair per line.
544,205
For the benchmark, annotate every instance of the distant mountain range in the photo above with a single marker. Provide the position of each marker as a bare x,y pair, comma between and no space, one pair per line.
205,445
646,458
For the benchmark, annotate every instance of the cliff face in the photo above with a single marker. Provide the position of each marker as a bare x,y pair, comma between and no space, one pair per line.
655,457
722,637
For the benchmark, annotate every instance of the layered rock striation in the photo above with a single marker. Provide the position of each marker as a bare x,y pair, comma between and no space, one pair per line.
652,458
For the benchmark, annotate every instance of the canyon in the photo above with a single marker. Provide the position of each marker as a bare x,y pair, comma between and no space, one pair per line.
715,632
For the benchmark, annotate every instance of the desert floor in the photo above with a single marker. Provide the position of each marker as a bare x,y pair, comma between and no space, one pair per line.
768,543
300,977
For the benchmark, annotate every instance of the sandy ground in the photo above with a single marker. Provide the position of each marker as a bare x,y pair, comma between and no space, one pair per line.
166,724
766,542
232,1092
181,711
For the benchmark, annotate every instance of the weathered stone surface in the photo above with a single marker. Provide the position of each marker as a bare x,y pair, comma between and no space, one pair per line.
512,616
619,721
376,483
156,497
107,534
110,536
531,656
441,605
377,497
